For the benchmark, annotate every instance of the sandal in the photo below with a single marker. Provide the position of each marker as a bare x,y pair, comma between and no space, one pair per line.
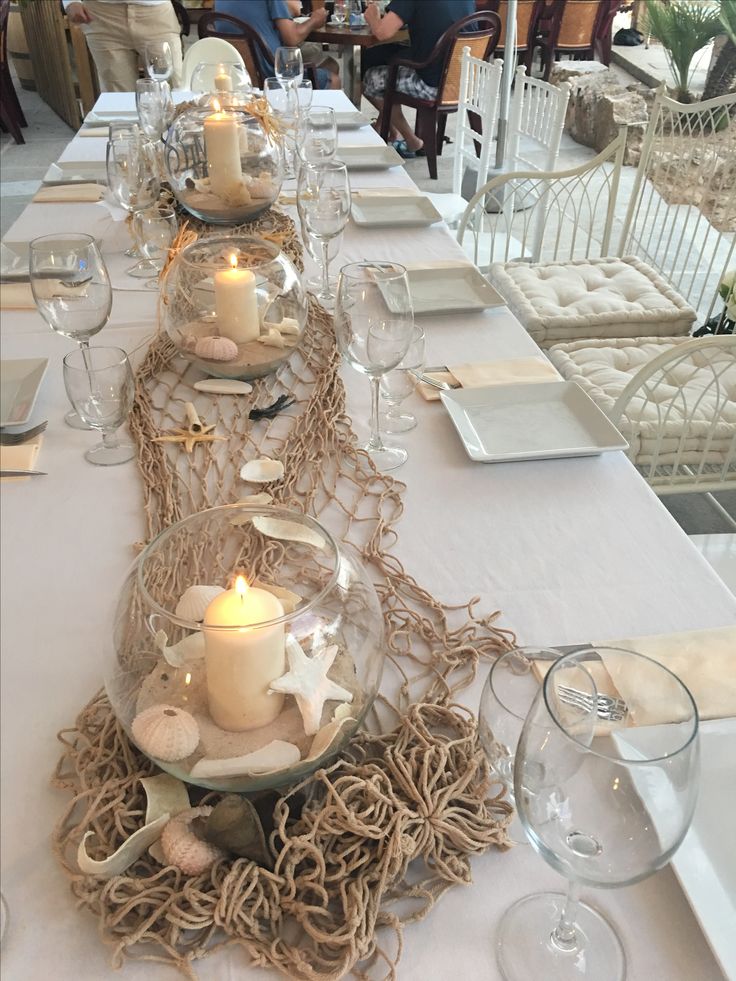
403,150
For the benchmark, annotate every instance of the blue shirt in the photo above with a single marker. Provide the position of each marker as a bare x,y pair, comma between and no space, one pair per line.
427,21
259,14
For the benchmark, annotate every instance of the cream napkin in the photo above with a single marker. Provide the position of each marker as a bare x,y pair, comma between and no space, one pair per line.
69,192
16,296
491,373
98,131
21,457
704,660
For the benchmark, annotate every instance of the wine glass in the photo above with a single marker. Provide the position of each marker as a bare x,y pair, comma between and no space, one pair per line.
155,230
304,94
314,248
398,384
605,798
288,66
71,288
132,175
323,200
286,110
99,383
374,321
155,107
159,60
319,141
339,13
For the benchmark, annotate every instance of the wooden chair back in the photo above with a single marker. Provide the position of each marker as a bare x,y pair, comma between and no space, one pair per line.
243,37
578,24
482,42
525,12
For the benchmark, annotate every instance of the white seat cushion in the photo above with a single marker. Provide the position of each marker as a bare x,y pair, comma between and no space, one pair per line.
560,301
684,400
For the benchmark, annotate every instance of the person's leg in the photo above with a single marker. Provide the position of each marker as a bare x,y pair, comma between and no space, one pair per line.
108,40
374,85
156,23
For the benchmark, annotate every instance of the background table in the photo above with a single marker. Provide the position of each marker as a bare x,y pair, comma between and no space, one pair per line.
350,42
569,550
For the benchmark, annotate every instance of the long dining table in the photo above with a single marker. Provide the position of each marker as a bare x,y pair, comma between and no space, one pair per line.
568,550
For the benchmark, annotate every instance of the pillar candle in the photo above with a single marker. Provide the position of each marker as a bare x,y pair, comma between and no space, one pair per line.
241,663
236,304
222,143
223,82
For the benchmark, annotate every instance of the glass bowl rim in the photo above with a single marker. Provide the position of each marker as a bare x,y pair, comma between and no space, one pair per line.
270,247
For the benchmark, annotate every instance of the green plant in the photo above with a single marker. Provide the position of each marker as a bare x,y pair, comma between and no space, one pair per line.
722,76
682,27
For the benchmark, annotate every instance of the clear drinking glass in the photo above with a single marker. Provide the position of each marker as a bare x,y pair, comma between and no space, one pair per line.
117,131
285,108
323,200
288,66
132,176
374,321
399,384
71,288
339,13
155,229
159,60
319,136
606,800
99,383
155,107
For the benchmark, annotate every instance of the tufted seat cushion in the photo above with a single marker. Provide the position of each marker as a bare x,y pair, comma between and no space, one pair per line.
561,301
684,400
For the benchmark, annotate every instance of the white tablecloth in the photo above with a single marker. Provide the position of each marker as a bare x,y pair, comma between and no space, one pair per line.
568,550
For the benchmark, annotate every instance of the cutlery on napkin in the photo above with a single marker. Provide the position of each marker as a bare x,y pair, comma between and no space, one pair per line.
490,373
21,458
69,192
16,296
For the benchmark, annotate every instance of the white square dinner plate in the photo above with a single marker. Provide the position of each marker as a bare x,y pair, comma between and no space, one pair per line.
14,260
394,211
531,421
369,157
20,381
351,120
70,171
450,287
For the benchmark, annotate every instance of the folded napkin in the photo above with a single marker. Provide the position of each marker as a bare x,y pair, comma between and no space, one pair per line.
69,192
16,296
491,373
98,131
704,660
385,192
21,457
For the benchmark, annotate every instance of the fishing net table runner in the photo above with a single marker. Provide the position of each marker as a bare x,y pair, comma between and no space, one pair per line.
414,789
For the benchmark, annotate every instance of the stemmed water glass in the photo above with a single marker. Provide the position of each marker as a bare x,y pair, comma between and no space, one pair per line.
155,107
374,321
323,200
133,179
286,110
288,66
159,60
71,288
399,383
606,799
155,230
319,135
99,383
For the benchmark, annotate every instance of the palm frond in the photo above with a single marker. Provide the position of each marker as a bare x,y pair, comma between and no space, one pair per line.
683,27
728,18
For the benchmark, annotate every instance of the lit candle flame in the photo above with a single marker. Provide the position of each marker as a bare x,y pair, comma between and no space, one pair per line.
188,678
234,264
216,105
241,586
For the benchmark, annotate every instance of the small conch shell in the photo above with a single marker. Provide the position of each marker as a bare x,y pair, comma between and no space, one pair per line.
262,471
166,732
277,755
289,531
272,339
194,601
182,847
216,348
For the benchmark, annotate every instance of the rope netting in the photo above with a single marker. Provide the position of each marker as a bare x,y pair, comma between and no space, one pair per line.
415,789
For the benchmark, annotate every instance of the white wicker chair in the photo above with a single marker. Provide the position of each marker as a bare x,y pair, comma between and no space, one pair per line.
678,409
537,115
687,165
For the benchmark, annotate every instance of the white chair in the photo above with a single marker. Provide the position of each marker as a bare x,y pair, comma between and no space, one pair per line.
685,174
211,51
479,87
673,398
536,117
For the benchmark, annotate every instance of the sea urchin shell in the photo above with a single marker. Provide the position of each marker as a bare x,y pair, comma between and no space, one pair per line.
166,732
182,847
216,348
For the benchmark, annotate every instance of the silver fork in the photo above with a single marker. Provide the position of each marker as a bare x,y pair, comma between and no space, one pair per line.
607,708
15,439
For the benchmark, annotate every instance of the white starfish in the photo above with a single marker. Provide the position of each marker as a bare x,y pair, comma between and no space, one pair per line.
307,681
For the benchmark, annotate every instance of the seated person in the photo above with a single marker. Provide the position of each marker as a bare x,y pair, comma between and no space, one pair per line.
273,21
312,52
427,22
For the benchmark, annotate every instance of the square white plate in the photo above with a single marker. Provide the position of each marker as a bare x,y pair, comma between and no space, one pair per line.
14,260
20,381
392,211
369,157
531,421
450,287
69,171
351,120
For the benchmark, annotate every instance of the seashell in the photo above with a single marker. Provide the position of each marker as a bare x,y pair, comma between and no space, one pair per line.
277,755
262,189
216,348
194,601
272,339
326,736
166,732
287,326
183,848
253,499
190,648
288,531
262,471
308,682
288,600
234,825
223,386
121,859
165,795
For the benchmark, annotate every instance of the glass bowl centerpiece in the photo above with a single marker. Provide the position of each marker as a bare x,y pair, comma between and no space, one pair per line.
224,164
234,305
247,648
228,82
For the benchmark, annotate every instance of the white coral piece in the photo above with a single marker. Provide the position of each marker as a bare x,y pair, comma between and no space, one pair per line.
166,732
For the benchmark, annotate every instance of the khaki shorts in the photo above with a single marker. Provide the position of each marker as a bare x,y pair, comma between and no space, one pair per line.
313,53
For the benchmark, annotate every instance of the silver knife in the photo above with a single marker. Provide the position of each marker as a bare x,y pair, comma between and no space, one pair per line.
23,473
